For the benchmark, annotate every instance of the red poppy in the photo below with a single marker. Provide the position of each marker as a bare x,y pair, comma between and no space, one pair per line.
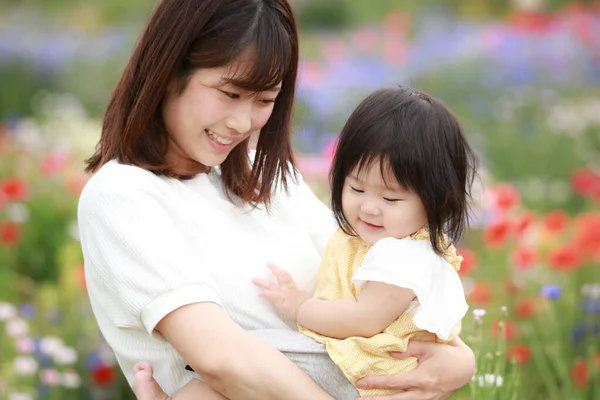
480,294
523,222
468,263
565,258
103,375
506,197
15,189
525,308
510,329
581,20
535,22
556,221
496,234
584,181
523,257
10,234
521,353
579,374
587,236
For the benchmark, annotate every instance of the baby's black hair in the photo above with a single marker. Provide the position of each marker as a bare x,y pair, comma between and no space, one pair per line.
422,144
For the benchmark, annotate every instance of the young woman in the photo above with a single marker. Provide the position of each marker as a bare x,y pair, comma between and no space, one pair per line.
177,219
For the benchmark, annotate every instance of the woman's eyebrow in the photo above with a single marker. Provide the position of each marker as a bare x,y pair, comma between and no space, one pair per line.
225,81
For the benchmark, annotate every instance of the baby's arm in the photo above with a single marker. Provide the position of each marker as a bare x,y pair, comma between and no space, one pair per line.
378,305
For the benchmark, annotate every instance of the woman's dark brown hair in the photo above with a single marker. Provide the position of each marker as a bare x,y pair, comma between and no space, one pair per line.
181,37
417,138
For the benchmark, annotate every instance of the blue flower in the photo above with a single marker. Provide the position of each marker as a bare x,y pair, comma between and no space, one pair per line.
591,306
584,329
551,292
27,310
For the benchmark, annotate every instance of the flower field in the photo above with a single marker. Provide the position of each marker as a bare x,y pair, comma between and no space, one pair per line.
525,85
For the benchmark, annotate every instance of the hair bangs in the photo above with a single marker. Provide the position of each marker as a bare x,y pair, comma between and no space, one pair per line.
267,59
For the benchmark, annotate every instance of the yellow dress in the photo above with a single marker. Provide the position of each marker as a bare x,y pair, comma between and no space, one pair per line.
440,308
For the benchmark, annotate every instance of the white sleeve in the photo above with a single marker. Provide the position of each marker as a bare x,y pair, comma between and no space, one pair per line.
315,214
139,261
413,264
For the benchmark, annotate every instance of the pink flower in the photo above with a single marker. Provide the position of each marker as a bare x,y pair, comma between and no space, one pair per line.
50,377
54,163
25,345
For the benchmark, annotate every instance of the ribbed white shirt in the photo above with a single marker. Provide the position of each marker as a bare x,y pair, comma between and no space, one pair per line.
153,244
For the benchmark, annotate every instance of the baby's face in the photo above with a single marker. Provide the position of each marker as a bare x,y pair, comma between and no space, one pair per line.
376,210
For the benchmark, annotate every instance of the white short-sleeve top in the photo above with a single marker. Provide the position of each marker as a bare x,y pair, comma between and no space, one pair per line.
152,244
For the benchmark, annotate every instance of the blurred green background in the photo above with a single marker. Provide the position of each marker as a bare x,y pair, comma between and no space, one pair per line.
523,76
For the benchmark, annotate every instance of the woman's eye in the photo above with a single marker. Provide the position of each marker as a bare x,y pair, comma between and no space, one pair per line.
231,95
391,200
267,101
357,190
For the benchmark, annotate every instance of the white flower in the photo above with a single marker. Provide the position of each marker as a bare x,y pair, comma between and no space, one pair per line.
74,231
591,290
70,379
25,365
7,311
50,345
488,380
65,355
20,396
17,212
17,327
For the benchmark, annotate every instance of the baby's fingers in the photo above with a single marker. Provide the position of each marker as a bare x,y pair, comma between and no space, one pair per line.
262,283
282,276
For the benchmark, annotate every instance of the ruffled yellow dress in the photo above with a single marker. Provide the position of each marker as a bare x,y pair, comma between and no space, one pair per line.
435,314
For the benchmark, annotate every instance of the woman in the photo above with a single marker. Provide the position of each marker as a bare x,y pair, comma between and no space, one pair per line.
177,220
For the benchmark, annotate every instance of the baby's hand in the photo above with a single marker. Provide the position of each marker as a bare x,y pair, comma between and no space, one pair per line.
285,295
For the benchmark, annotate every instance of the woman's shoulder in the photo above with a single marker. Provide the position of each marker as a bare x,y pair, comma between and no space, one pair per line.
115,180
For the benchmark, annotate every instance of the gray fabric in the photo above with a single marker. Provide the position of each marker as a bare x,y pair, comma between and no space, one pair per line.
312,358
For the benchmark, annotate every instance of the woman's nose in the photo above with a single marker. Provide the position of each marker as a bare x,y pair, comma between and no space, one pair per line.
241,117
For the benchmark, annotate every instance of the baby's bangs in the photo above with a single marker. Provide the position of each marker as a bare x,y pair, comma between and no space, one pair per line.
268,59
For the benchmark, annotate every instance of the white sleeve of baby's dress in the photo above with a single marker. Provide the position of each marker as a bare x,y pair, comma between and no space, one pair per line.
139,260
413,264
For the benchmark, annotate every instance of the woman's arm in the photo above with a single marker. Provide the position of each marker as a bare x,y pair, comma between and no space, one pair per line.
443,369
141,254
232,361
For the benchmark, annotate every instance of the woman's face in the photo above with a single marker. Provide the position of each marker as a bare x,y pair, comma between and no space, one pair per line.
210,117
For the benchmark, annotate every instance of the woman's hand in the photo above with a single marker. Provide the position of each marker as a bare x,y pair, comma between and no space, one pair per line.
285,295
443,369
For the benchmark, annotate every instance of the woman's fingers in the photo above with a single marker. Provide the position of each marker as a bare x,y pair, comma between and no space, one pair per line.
396,382
408,395
416,348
